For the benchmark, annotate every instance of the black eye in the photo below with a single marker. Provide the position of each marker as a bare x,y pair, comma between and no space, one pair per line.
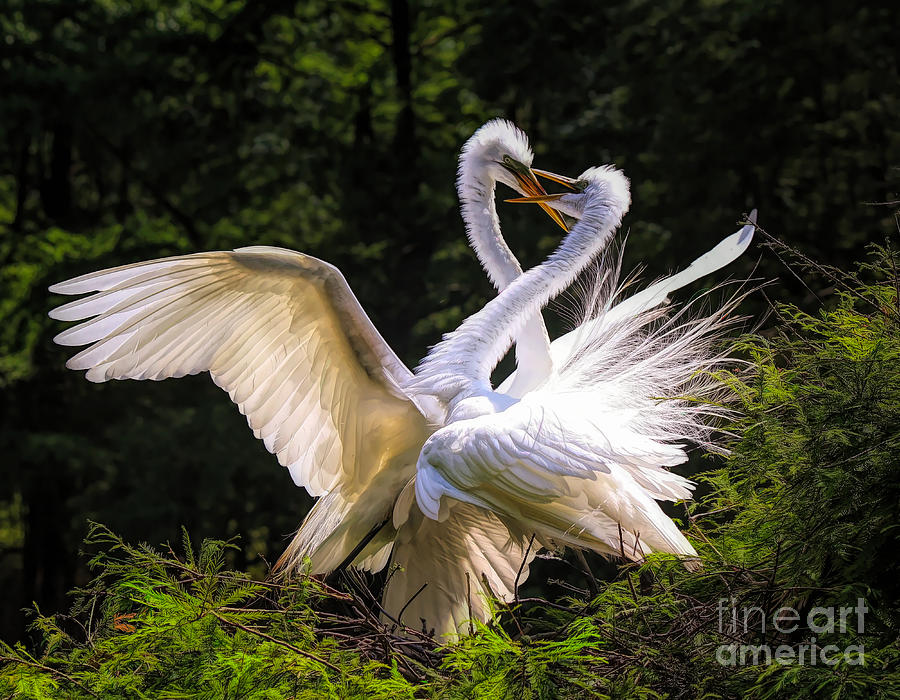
508,161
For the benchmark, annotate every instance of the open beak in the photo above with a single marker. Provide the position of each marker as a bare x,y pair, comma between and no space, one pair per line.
541,198
533,188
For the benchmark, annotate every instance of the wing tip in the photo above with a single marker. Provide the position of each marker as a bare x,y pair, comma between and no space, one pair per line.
59,287
63,339
746,233
95,375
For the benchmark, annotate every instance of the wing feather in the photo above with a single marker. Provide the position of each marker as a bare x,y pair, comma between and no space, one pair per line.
573,474
461,563
279,331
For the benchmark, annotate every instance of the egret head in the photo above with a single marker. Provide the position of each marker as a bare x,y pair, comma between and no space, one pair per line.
499,152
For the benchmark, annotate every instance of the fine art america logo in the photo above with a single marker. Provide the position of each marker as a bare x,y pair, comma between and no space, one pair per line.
748,622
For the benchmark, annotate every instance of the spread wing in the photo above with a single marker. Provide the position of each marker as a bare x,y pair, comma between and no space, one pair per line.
280,331
725,252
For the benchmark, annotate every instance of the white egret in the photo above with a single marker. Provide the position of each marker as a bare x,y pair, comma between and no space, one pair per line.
284,335
451,560
581,459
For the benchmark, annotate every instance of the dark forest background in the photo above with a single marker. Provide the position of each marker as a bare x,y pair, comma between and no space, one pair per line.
133,130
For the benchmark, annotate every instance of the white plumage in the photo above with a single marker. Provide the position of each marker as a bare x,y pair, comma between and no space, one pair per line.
559,460
282,333
572,447
461,562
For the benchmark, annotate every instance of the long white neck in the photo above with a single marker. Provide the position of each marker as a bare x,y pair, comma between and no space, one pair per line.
461,364
476,188
479,211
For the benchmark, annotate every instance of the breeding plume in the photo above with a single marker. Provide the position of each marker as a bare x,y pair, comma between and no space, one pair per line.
453,475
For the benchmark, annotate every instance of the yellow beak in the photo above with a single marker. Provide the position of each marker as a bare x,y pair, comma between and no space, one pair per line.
530,184
568,182
536,199
539,196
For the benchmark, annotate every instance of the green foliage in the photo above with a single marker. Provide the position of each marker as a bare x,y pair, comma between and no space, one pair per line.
802,515
152,624
817,458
